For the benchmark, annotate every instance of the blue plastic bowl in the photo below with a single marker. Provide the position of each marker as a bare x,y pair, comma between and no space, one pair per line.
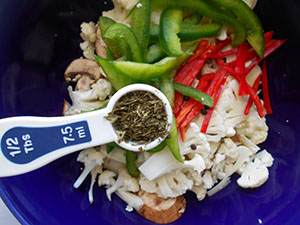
37,41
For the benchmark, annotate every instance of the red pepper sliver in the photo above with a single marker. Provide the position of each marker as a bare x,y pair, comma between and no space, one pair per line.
221,45
253,95
178,102
190,103
250,101
185,69
199,51
265,88
270,48
225,53
181,131
240,67
211,110
268,36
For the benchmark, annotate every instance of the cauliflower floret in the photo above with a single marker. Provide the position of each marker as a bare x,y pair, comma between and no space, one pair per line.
217,171
194,176
88,32
124,181
164,162
97,170
170,185
254,127
207,180
91,99
120,11
147,185
91,158
231,106
229,148
173,184
200,191
251,3
265,157
254,175
126,4
88,35
132,200
106,178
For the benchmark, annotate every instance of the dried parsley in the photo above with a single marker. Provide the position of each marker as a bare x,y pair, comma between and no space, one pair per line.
139,117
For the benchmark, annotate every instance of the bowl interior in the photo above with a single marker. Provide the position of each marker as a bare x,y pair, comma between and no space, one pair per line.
39,38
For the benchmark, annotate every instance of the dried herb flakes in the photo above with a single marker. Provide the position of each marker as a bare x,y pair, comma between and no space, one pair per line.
139,117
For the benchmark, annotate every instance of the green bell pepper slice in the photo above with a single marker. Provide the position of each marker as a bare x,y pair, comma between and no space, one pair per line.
172,142
140,23
170,24
114,48
194,93
167,87
120,31
194,19
154,53
205,9
130,164
255,33
116,78
190,32
145,71
158,148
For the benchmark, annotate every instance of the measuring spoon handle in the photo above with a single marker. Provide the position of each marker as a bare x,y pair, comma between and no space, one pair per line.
28,143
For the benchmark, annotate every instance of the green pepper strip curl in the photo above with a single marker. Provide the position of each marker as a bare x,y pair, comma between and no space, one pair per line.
114,48
170,24
255,33
205,9
121,31
190,32
194,93
140,23
172,141
130,164
117,79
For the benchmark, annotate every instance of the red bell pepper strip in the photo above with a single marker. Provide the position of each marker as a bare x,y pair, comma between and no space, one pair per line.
190,103
186,68
224,54
199,51
211,110
265,88
178,102
268,36
255,88
194,108
221,45
270,48
261,110
189,71
240,67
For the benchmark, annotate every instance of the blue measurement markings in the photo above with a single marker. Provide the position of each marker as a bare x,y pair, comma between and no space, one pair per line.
22,145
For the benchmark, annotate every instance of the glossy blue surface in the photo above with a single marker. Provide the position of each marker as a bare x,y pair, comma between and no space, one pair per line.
39,38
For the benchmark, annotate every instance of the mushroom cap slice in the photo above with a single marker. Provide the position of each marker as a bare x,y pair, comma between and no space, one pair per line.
83,67
159,210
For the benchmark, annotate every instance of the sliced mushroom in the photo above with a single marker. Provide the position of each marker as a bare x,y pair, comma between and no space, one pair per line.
84,83
83,67
100,48
159,210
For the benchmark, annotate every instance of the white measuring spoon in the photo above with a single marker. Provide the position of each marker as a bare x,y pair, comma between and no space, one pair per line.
28,143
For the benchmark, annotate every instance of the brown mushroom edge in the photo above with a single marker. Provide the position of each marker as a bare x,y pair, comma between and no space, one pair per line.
159,210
